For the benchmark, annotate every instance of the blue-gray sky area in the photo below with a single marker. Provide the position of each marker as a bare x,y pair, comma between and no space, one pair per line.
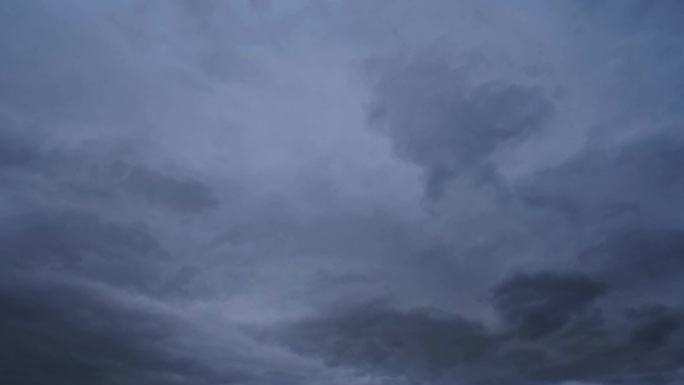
328,192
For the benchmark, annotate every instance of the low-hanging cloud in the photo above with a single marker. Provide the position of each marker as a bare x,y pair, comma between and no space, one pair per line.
317,191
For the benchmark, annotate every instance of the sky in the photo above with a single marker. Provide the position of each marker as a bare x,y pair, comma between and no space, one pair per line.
324,192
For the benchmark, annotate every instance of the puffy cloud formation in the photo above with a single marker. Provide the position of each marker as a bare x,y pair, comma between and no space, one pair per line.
341,192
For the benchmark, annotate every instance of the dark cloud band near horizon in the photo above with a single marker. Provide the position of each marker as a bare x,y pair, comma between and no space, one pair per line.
341,192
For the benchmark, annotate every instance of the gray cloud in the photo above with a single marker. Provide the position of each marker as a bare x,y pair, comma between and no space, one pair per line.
430,345
67,334
184,195
371,193
450,127
541,304
415,344
14,153
79,243
656,324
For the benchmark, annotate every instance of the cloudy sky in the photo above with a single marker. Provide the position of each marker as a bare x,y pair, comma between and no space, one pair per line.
341,192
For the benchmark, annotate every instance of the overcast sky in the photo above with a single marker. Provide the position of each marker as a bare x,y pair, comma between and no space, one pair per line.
341,192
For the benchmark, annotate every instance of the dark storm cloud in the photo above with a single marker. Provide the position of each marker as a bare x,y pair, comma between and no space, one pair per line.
374,336
184,195
608,213
656,324
620,204
437,347
80,305
320,192
452,128
81,243
641,256
68,334
541,304
106,175
630,183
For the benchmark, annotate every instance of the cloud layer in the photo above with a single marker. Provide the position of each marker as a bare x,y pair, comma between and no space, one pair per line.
328,192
